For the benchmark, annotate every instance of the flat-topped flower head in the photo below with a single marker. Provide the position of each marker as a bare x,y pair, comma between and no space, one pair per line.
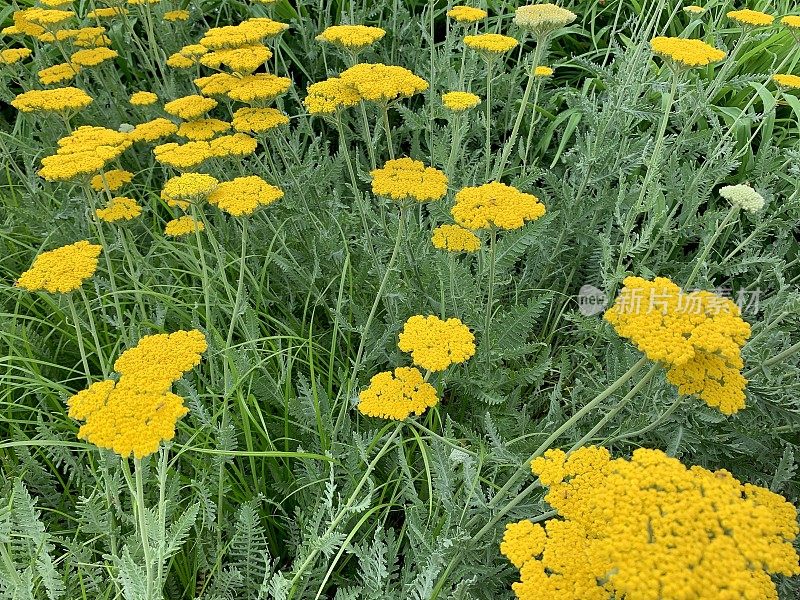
693,9
258,120
190,107
697,336
111,180
183,226
150,131
259,87
217,84
143,98
351,37
202,129
47,17
466,14
251,31
383,83
60,100
91,57
60,73
120,208
490,44
787,81
10,56
326,97
138,412
495,205
83,152
543,19
237,144
242,60
543,71
743,196
180,191
455,238
627,527
460,101
62,270
106,12
243,195
435,344
686,52
176,15
791,21
405,178
397,395
749,17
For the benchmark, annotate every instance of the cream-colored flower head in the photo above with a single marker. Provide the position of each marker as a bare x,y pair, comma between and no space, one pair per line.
743,196
543,19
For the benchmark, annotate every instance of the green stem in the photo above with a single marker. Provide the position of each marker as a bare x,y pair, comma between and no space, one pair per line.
79,337
704,254
368,136
487,146
143,530
490,301
388,129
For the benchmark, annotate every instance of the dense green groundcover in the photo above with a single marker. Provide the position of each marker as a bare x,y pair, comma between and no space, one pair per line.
275,486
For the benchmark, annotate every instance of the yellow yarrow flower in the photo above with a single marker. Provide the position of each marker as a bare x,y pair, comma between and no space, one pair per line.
397,396
217,84
13,55
405,178
120,208
202,129
351,37
62,270
183,226
47,17
143,98
91,57
149,131
176,15
460,101
455,238
190,187
111,180
243,195
543,19
183,156
237,144
466,14
138,412
190,107
697,336
542,71
64,99
251,31
258,120
787,81
629,527
242,60
435,344
259,87
490,44
751,17
686,52
86,150
694,9
495,205
60,73
383,83
106,13
179,61
326,97
86,37
791,21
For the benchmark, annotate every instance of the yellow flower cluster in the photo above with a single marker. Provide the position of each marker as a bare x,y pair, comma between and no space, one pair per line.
694,9
435,344
149,131
85,37
176,15
106,13
120,208
686,52
192,154
649,528
13,55
697,336
56,100
183,226
91,57
190,187
258,120
60,73
791,21
491,44
466,14
86,150
405,178
186,57
143,98
383,83
61,270
135,414
541,19
243,60
202,129
751,17
787,81
397,396
460,101
325,97
351,37
243,195
495,205
190,107
111,180
251,31
542,71
259,87
455,238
